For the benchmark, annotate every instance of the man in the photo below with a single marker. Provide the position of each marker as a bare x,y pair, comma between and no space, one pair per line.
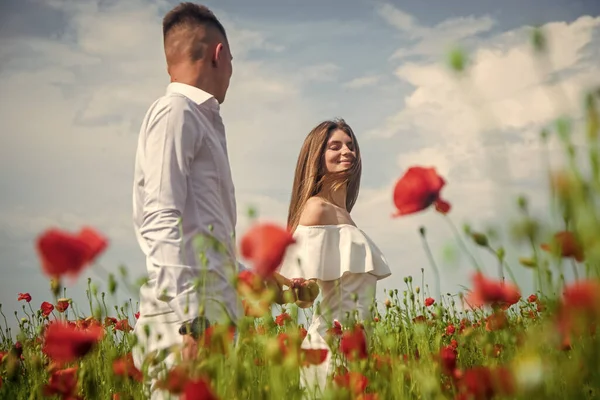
183,197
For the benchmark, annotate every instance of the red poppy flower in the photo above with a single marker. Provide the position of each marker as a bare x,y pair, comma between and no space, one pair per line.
429,302
63,253
123,325
218,338
484,383
175,379
24,296
496,321
265,245
249,282
256,309
354,344
368,396
64,343
417,189
314,356
354,381
567,245
447,358
336,329
46,308
582,295
282,318
124,366
532,298
198,389
87,323
303,333
579,309
62,382
94,240
488,291
62,305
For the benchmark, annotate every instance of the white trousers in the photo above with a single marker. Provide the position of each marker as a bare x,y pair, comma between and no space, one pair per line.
163,342
163,336
347,300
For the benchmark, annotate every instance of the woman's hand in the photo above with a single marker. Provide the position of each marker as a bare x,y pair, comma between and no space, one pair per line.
308,291
302,292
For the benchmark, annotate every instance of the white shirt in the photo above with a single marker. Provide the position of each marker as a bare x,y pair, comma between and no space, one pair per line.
182,189
327,252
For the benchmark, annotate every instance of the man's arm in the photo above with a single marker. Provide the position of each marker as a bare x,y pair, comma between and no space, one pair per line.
172,140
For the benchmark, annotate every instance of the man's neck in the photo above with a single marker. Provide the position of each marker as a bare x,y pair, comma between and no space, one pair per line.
193,76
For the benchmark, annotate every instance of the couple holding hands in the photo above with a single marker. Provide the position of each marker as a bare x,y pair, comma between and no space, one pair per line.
183,190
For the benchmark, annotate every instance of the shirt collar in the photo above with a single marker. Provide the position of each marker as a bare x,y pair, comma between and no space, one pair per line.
193,93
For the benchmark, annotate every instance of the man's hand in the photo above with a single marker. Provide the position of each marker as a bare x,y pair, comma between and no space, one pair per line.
190,348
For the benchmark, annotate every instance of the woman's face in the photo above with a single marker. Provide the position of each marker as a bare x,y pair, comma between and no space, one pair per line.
340,153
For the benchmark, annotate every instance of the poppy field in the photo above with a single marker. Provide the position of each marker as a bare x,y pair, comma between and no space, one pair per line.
490,341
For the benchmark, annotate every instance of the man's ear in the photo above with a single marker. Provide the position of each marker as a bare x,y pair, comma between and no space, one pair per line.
217,54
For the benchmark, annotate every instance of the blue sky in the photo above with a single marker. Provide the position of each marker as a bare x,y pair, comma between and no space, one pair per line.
76,78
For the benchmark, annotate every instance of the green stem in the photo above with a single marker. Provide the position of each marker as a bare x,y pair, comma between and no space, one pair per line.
432,262
575,273
462,244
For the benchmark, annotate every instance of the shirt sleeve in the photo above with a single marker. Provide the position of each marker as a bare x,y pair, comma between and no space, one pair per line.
173,138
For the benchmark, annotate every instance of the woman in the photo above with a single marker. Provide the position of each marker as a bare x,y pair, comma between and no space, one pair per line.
330,249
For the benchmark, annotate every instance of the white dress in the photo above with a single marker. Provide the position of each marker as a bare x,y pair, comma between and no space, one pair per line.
347,265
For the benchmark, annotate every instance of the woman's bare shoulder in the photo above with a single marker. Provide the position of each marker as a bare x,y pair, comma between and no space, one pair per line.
317,212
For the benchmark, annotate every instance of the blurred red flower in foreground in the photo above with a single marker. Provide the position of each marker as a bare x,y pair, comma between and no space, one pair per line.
198,389
124,367
488,291
24,296
249,282
62,382
64,343
354,344
354,381
175,379
314,356
63,253
417,189
579,309
483,383
447,357
566,245
265,245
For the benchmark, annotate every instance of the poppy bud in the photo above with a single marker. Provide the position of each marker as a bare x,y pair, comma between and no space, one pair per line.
527,262
480,239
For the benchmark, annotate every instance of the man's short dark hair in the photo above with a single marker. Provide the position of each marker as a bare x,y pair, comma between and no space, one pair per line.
191,15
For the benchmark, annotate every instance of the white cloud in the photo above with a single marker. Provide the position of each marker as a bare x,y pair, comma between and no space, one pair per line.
320,72
363,81
504,89
435,40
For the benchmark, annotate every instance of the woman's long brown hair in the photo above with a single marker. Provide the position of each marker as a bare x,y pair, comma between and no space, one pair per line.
311,173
